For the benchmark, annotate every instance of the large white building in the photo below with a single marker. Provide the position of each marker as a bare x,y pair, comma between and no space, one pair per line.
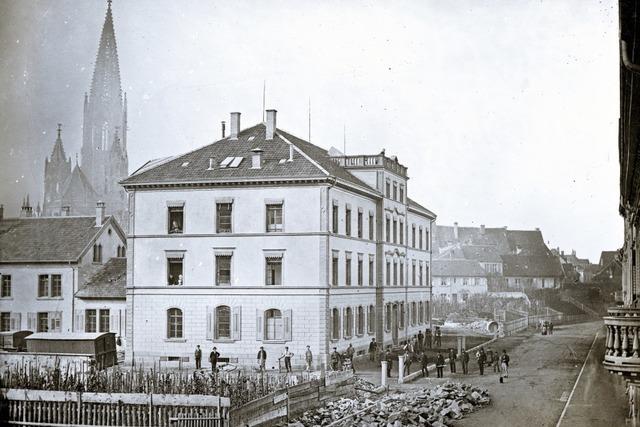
45,261
263,239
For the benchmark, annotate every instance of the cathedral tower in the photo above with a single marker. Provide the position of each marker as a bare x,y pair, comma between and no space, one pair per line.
57,170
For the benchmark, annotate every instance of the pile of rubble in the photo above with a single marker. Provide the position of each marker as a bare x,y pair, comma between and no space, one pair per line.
435,407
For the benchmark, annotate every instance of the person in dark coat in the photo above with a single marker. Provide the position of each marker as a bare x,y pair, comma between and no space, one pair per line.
373,349
198,357
550,328
389,358
420,341
482,359
438,336
427,338
213,358
440,365
424,361
262,359
452,361
465,361
504,364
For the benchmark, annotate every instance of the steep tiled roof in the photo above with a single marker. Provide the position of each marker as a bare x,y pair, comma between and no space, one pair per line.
456,268
60,239
107,283
485,253
416,205
531,266
606,257
445,236
527,242
194,166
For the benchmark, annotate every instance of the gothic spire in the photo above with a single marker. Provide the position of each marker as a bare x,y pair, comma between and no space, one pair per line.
58,155
105,85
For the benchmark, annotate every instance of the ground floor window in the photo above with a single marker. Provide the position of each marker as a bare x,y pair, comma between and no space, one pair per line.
90,321
5,322
348,322
223,322
335,324
274,325
371,319
174,323
43,322
360,320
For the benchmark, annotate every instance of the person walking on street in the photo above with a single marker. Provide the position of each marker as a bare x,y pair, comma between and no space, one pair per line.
482,359
489,357
335,359
213,358
428,338
420,341
349,356
504,364
308,358
424,362
440,365
465,361
198,357
438,336
550,328
373,349
262,359
452,361
287,355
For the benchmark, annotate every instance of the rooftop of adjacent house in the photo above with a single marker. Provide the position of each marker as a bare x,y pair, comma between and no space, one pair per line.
481,253
46,239
531,266
606,257
109,282
456,268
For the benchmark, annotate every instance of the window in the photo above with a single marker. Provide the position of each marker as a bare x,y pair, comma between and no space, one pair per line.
426,311
388,318
426,275
401,273
388,230
97,253
359,225
465,281
388,273
420,238
387,189
395,231
413,236
274,325
174,272
43,322
360,272
5,322
426,239
395,273
104,320
5,291
401,316
223,270
371,319
223,322
43,286
414,313
334,269
420,274
90,321
49,286
371,224
420,312
360,321
401,233
371,272
413,274
176,219
335,324
347,269
347,221
348,322
223,217
334,218
402,193
56,286
174,323
274,271
395,190
274,218
121,252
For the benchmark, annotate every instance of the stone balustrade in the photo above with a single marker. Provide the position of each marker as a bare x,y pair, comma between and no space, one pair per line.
622,352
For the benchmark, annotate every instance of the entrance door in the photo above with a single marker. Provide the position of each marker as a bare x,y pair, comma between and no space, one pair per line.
394,324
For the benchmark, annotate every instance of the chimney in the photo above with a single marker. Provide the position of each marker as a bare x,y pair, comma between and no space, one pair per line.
224,126
99,213
235,126
271,124
482,229
212,161
1,212
256,158
573,252
65,210
455,230
290,153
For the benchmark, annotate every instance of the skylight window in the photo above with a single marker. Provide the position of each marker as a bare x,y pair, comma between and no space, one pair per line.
185,164
236,162
251,138
226,162
231,162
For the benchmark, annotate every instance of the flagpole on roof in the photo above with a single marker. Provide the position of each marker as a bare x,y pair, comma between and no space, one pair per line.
264,91
309,119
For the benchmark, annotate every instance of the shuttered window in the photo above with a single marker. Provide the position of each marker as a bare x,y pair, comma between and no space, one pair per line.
274,325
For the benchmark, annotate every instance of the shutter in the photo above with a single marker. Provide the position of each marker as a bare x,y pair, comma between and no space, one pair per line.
287,325
236,322
116,327
79,321
31,322
14,320
58,321
209,323
112,322
52,321
259,325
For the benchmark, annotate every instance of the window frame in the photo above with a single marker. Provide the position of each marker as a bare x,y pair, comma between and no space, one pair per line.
104,315
218,258
175,260
360,222
269,260
5,286
174,210
219,228
335,268
347,221
91,320
371,319
275,325
217,312
273,206
372,271
347,269
5,316
360,270
371,226
40,317
335,324
175,324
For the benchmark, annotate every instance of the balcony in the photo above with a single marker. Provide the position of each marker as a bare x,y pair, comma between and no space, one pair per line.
622,352
371,161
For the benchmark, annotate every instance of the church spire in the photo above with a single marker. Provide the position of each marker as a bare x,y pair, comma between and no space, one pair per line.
105,85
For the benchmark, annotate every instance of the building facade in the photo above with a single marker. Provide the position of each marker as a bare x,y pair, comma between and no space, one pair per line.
263,239
43,262
455,280
104,143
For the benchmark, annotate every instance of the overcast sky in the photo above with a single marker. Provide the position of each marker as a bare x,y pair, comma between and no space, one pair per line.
505,112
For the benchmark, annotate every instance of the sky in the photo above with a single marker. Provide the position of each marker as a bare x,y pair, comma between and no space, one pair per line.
504,112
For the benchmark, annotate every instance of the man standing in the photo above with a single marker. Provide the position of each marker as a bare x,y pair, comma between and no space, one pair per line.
213,358
482,359
428,337
198,357
452,361
335,359
424,361
373,348
262,359
440,364
438,336
389,360
287,355
349,356
308,358
420,340
465,361
504,364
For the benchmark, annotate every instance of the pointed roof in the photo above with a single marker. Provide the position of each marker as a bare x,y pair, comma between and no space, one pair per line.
57,154
109,282
105,83
78,181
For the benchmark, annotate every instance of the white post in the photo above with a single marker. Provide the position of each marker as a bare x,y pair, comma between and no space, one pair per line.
383,374
400,369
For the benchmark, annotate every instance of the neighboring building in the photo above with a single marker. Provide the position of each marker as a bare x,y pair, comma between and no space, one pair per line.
524,272
264,239
455,280
43,261
104,144
581,268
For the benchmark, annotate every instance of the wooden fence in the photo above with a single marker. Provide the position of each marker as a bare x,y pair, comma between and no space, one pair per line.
26,407
514,326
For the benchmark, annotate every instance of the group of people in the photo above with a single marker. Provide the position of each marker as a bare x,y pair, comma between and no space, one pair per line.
546,327
287,355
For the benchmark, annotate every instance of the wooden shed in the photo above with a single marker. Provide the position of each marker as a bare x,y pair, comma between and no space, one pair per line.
14,340
101,346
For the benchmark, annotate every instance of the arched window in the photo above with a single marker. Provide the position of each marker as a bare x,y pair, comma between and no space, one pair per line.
388,318
335,324
174,323
274,325
420,312
371,320
360,321
414,314
97,252
223,322
348,322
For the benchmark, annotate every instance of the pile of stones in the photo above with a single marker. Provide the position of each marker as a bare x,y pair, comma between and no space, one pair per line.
436,407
